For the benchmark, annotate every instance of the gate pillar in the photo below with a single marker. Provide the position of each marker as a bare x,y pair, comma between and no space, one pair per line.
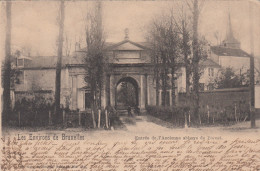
112,90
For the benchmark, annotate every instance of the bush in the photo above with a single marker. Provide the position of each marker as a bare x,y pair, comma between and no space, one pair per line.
226,114
175,115
33,112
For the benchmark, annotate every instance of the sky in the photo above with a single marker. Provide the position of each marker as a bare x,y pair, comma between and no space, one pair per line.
34,23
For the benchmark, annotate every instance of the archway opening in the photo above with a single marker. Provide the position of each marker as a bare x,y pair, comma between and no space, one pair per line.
126,93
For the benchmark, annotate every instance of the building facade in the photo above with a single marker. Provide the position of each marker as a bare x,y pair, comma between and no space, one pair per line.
128,62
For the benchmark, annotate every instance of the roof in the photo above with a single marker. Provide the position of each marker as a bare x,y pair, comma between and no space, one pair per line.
224,51
120,46
106,45
42,62
51,61
25,57
210,63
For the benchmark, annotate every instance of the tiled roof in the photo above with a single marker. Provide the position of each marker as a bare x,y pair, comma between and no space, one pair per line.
224,51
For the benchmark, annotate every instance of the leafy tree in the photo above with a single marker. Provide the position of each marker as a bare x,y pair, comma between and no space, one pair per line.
195,59
126,94
229,79
95,61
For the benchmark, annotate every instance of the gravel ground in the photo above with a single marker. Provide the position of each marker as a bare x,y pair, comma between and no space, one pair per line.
146,125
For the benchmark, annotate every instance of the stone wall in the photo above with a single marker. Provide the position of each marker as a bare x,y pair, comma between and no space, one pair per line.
220,99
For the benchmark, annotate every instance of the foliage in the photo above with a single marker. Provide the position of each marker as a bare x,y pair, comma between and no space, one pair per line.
33,112
126,94
229,79
239,111
175,115
95,61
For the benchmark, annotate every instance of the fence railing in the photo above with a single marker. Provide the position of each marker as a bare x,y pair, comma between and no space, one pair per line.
43,118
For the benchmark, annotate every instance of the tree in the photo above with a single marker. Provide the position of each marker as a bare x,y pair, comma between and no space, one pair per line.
197,54
195,59
95,61
229,79
182,24
165,55
59,60
7,65
126,94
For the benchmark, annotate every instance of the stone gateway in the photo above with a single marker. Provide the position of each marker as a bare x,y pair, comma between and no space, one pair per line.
128,82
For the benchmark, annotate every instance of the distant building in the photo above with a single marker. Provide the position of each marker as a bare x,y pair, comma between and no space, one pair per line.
229,53
226,55
210,71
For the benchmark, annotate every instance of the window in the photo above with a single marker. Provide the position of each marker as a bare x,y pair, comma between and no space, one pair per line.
211,71
19,77
20,62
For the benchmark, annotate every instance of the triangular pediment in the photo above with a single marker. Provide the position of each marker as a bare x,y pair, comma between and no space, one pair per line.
128,46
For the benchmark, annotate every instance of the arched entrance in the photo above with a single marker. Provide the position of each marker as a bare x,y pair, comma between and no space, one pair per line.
126,93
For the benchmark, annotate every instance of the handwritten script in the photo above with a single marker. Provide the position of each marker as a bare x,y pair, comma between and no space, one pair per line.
153,154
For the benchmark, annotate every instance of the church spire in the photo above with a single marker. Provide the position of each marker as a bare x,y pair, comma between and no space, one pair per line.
230,41
229,31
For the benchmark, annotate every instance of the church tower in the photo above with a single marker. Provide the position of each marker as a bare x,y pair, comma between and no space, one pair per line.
230,41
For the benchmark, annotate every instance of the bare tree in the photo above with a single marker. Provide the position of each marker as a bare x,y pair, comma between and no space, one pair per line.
59,60
182,24
198,54
7,65
193,50
164,40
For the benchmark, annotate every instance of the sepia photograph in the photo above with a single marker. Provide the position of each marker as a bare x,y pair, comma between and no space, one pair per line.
130,85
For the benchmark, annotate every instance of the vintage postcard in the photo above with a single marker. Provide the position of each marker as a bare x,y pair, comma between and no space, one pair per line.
130,85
